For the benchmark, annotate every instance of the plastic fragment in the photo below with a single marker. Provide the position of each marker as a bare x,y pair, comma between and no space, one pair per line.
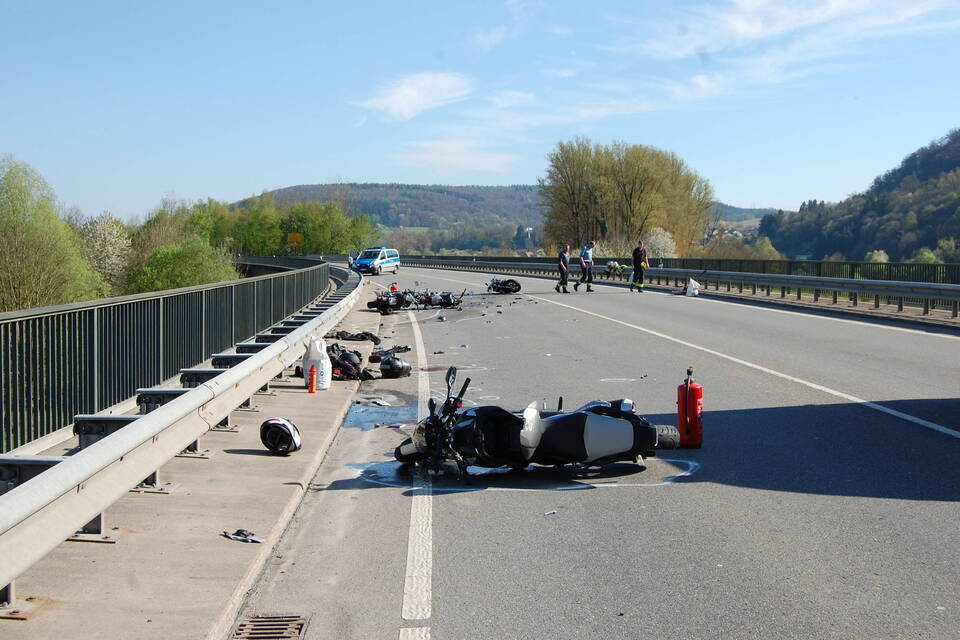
242,535
551,513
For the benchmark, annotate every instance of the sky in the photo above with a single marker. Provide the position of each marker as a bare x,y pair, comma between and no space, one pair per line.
120,104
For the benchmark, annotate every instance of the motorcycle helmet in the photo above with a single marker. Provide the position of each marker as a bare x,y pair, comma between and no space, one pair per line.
351,357
394,367
280,436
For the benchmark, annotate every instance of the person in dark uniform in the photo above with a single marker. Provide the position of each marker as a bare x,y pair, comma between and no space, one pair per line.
639,264
563,266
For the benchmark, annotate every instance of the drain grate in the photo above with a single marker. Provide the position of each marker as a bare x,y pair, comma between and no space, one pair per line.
271,628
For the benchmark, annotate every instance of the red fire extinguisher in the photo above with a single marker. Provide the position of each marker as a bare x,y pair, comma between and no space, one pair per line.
312,387
690,412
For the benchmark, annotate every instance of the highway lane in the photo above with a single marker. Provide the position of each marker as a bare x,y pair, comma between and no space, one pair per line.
808,515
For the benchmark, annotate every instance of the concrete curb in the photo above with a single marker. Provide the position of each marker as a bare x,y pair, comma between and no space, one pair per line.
227,618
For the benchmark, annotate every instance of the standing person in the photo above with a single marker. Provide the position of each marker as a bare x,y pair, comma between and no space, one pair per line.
639,264
586,266
563,266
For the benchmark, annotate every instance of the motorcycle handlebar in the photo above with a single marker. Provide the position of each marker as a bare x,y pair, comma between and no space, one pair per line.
463,390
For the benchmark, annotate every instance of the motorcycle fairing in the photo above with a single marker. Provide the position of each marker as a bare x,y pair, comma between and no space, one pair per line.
496,440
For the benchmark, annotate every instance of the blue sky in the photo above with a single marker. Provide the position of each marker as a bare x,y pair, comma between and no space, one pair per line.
118,104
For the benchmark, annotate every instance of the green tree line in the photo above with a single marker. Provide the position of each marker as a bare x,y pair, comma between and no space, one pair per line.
910,213
618,193
50,256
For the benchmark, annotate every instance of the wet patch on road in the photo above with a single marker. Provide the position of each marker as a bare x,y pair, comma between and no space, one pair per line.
362,416
660,472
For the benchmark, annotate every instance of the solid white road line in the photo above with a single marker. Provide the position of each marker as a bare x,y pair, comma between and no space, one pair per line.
418,583
839,394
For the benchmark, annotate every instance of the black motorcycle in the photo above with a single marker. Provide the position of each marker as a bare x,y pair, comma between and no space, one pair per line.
387,303
597,433
441,299
503,286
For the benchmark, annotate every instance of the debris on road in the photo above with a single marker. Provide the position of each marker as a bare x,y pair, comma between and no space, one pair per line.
242,535
551,513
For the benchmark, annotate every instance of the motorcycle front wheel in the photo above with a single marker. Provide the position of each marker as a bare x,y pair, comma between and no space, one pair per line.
511,286
406,452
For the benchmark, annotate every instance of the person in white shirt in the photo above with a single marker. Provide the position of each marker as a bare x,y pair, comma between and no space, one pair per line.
586,266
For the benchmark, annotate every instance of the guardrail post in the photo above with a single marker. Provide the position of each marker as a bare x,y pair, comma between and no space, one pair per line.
900,303
799,292
876,301
834,297
816,295
926,306
854,299
783,292
956,308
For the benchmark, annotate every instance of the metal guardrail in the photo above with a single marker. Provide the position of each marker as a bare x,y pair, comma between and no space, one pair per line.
895,292
39,514
898,271
56,362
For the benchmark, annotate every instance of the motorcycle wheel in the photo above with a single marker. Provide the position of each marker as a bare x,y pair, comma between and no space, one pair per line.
511,286
668,437
404,457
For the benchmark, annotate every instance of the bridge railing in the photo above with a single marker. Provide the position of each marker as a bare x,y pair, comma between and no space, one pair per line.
38,514
898,271
922,294
56,362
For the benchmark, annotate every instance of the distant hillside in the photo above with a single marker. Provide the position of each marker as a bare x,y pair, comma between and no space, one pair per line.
436,206
911,212
736,214
413,205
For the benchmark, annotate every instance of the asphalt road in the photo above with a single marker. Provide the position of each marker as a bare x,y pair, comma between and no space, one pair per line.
823,503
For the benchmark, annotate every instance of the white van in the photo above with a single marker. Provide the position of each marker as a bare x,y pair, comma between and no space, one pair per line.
376,260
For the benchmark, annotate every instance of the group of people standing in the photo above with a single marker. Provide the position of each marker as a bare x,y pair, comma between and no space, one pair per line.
586,267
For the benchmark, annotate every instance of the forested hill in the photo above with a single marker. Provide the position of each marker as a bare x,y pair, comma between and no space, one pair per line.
413,205
911,212
437,206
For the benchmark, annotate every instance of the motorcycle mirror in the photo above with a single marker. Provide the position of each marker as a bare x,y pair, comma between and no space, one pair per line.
451,379
626,405
432,406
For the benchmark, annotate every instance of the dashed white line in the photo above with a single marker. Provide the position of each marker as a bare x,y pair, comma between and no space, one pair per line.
418,582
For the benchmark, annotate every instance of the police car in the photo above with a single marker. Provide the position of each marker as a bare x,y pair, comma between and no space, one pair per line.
376,260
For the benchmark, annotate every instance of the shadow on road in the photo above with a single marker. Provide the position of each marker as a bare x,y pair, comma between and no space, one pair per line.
839,449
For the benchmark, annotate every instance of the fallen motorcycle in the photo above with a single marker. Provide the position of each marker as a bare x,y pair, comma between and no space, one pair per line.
503,286
387,303
597,433
444,299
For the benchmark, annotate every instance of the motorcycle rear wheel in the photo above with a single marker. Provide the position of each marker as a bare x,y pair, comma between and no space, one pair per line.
668,437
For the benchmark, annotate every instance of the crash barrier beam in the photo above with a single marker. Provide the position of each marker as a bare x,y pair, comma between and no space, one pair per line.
36,516
282,330
899,291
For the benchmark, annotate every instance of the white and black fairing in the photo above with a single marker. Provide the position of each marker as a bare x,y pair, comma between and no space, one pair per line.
597,433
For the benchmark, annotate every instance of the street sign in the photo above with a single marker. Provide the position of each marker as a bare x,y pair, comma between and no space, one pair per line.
294,239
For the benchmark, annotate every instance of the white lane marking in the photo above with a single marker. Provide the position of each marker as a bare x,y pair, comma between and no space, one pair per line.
839,394
418,581
415,633
813,385
861,323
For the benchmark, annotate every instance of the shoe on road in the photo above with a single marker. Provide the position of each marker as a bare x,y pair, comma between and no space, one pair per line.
589,288
557,288
576,286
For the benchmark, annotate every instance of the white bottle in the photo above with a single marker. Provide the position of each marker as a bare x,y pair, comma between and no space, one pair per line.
316,356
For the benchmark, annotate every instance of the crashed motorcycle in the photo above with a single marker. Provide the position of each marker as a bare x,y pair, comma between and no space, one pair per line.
444,299
503,286
597,433
387,303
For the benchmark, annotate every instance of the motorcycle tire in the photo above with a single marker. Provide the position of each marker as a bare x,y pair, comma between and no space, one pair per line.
405,458
668,437
511,286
